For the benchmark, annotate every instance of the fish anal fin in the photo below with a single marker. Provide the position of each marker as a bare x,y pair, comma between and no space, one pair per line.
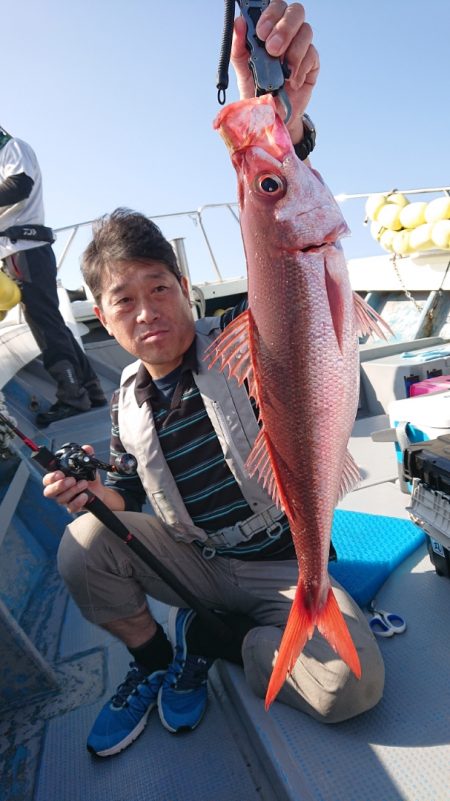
368,321
331,624
261,461
299,629
350,476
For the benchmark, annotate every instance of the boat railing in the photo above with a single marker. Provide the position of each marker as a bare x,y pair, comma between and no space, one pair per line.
208,230
208,244
364,195
211,235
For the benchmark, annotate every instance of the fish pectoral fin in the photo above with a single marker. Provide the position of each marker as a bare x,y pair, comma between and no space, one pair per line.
368,321
333,284
232,350
350,476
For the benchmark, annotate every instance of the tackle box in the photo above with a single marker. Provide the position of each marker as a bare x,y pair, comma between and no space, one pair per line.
427,466
418,419
391,377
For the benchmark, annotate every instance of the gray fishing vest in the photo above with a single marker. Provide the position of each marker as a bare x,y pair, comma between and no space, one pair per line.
233,419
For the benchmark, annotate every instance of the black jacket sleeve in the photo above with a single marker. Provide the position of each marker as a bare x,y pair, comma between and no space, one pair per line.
15,188
230,314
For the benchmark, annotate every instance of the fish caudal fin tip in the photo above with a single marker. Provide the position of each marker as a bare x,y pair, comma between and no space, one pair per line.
333,627
269,699
273,688
277,679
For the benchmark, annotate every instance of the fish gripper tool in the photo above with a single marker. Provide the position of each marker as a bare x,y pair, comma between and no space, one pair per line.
269,73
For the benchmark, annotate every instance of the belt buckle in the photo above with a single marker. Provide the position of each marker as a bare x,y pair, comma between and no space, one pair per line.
274,531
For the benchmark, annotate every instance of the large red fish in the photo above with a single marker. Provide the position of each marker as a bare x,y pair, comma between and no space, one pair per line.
297,347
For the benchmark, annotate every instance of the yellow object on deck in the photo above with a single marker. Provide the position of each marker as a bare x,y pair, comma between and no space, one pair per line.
10,293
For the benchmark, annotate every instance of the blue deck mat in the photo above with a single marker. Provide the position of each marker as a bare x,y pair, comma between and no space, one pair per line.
369,548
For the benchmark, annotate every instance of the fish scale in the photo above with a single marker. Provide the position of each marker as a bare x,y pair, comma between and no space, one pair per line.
297,347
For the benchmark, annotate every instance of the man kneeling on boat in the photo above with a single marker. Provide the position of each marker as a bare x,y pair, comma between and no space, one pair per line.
215,528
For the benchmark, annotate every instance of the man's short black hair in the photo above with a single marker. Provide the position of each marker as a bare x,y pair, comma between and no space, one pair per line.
124,235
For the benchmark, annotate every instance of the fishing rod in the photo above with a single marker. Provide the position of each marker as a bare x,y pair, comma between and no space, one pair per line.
73,461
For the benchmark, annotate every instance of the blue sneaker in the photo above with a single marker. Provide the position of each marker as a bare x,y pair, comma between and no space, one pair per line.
183,695
125,715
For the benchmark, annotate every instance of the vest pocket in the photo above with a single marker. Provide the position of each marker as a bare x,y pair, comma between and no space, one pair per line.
163,507
180,532
227,439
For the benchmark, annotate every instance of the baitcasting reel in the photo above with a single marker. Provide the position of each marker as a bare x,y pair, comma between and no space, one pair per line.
74,461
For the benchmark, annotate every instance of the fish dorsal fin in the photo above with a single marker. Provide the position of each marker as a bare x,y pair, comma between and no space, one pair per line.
231,349
350,476
369,321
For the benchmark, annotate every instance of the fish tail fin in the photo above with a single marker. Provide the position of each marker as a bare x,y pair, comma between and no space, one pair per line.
331,624
300,628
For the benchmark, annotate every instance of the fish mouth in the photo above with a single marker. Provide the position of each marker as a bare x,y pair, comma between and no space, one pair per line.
315,248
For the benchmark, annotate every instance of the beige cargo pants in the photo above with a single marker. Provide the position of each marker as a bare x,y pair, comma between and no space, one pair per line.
109,582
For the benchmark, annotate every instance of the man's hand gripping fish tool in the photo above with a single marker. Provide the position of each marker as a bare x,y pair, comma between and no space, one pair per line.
269,73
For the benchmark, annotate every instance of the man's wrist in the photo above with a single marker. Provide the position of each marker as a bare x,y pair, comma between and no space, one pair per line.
306,145
112,499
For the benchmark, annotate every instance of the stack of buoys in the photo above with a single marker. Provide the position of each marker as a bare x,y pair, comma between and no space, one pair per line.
405,227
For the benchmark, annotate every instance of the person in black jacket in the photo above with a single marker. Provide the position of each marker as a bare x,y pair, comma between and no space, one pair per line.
31,262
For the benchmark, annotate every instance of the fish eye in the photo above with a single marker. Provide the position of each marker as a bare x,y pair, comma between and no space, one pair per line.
270,184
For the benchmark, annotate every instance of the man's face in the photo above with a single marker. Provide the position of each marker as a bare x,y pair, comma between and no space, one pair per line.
147,310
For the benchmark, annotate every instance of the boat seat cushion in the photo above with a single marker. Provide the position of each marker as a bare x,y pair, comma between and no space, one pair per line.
369,548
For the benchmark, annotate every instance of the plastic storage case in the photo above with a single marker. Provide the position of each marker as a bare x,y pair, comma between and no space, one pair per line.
391,377
427,465
438,383
424,417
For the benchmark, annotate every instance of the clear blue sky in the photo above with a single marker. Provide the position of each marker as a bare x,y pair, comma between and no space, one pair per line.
117,97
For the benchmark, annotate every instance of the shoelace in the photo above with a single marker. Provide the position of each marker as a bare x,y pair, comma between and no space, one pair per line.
134,677
188,674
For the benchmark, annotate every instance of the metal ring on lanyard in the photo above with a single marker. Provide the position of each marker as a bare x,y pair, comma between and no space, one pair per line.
208,552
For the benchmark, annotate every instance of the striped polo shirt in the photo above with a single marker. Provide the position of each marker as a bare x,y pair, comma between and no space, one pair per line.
193,453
